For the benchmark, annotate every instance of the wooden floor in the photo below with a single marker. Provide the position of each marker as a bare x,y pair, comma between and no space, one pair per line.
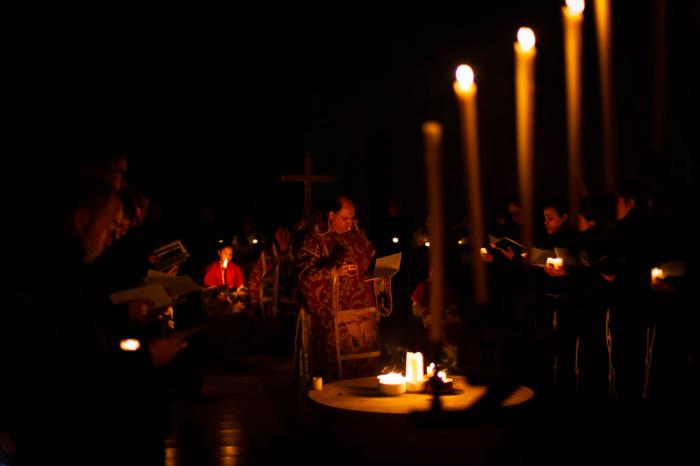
254,412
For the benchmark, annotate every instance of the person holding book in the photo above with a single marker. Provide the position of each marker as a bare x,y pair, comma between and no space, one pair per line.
340,318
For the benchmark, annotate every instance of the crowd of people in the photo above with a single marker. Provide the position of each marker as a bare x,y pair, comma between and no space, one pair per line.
596,326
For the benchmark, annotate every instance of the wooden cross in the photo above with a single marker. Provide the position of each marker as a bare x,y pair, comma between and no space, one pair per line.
307,178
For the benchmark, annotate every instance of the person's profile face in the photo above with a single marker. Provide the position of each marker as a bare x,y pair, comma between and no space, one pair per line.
101,231
342,221
552,220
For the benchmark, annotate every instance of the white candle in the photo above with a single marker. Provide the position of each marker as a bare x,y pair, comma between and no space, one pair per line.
391,384
415,379
525,53
573,40
555,262
465,89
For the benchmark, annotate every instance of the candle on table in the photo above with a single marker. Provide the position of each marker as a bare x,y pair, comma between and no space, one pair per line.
573,20
415,379
603,22
432,133
465,89
525,53
391,384
555,262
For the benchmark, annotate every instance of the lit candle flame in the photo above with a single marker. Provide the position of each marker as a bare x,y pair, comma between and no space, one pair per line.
225,263
656,274
575,6
255,241
427,244
129,344
526,37
391,378
465,76
443,375
394,240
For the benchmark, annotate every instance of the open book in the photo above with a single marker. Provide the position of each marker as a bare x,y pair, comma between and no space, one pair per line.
175,285
170,254
506,242
385,267
154,292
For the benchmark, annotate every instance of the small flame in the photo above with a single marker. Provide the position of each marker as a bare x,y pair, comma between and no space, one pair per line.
443,375
129,344
255,241
526,37
225,263
465,76
575,6
427,244
391,378
394,240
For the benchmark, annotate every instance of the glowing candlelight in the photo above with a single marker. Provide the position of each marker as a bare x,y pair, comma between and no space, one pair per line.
391,384
318,383
394,240
573,43
483,252
556,263
430,371
129,344
657,275
465,89
224,264
415,379
432,133
603,23
525,53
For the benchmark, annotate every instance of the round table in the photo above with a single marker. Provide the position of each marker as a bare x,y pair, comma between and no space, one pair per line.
363,395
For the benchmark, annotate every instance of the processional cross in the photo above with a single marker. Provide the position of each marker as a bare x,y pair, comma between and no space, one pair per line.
307,178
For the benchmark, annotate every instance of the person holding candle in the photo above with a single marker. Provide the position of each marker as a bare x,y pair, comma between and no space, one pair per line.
340,317
224,273
552,313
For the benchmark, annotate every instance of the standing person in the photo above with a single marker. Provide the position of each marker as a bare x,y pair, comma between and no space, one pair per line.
340,317
75,396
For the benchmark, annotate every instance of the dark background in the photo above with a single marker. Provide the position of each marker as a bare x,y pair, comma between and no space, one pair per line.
216,105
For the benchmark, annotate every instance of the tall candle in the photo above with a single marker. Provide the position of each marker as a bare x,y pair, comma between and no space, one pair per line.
465,89
603,22
525,53
573,20
432,134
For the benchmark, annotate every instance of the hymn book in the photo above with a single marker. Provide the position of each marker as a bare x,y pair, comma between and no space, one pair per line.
504,243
